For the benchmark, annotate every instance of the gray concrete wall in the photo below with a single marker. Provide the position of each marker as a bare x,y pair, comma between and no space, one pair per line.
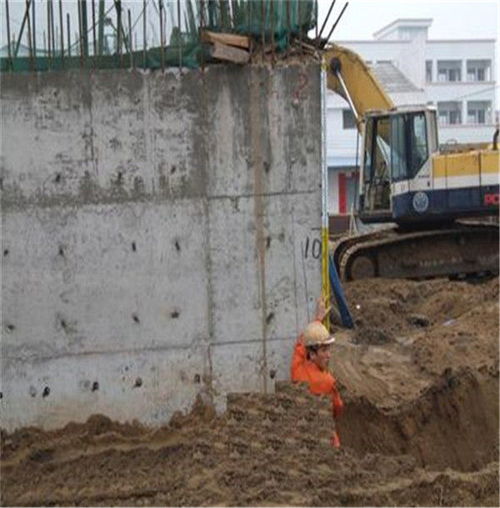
153,237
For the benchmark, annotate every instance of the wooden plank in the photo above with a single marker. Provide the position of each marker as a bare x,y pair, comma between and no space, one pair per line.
229,53
241,41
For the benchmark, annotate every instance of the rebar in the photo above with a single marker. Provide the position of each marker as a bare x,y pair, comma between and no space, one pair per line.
271,7
324,22
263,27
94,39
162,49
130,39
180,33
62,31
33,24
299,19
85,39
289,26
100,34
335,24
8,33
118,7
80,46
145,42
202,27
49,38
52,25
30,42
68,28
26,14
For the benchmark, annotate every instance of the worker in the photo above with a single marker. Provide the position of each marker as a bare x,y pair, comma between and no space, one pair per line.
310,364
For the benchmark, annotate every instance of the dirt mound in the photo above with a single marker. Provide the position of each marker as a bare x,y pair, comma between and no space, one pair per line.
393,308
267,449
420,425
439,429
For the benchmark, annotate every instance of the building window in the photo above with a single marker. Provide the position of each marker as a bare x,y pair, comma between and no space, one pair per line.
449,113
449,70
479,112
348,120
428,71
478,70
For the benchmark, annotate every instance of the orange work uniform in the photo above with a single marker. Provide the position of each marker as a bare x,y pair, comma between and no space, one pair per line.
320,382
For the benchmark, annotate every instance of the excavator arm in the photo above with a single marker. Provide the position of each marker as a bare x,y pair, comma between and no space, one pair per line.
351,78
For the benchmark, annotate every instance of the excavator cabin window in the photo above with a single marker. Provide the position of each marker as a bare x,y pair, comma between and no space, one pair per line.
396,147
377,176
409,147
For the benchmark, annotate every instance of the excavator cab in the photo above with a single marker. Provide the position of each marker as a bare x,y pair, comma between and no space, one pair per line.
396,155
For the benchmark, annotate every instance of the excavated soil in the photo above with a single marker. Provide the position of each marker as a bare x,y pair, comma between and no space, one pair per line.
419,376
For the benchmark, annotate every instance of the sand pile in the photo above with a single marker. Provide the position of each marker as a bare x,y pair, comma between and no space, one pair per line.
420,379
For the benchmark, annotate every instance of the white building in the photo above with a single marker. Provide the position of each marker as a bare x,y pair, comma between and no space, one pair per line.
455,75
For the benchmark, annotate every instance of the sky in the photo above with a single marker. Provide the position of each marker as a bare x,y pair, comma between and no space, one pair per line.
453,19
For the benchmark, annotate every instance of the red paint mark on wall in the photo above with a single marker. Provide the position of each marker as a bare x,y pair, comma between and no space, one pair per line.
342,193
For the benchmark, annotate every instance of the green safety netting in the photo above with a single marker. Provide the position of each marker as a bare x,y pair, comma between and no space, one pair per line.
266,21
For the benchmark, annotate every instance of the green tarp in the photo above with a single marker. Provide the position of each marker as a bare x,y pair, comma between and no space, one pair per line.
265,21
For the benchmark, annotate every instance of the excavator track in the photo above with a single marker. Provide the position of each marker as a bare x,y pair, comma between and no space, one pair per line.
459,250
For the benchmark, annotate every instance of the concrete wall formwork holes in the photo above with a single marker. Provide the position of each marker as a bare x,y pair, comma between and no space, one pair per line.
153,233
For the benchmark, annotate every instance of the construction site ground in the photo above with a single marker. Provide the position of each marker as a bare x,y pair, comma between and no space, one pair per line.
419,377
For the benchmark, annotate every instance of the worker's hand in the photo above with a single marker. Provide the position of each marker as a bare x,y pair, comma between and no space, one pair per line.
335,439
321,309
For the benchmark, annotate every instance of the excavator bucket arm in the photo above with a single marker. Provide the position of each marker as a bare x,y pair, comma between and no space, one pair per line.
351,78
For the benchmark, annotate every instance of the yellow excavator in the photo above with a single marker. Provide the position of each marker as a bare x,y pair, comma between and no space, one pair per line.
429,197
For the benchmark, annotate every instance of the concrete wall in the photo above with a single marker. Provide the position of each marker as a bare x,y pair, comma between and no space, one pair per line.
153,237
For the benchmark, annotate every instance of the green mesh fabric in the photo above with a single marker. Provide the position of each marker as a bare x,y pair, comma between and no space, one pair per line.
268,21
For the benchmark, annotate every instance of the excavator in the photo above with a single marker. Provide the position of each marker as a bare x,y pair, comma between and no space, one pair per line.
438,204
